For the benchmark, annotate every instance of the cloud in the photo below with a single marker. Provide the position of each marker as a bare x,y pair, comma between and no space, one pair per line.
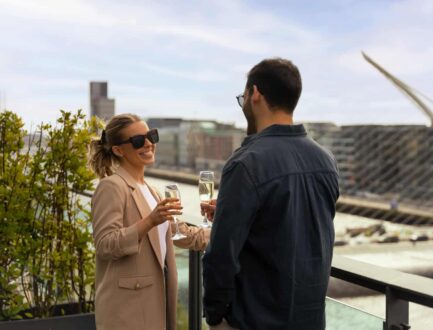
212,26
396,59
190,57
65,11
205,75
398,41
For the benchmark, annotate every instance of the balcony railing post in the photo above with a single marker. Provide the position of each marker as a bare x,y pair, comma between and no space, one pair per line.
195,291
397,312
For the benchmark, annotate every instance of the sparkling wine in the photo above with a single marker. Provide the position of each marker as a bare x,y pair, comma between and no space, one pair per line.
172,193
205,189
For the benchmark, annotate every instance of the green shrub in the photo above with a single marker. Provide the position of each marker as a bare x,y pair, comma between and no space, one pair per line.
46,250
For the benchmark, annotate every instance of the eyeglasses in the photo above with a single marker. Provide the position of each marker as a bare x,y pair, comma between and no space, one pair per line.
137,141
240,99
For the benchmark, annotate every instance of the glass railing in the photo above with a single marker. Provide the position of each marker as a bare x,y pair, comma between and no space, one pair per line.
398,288
182,262
340,316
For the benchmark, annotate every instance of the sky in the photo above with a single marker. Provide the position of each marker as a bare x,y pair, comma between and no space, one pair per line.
190,58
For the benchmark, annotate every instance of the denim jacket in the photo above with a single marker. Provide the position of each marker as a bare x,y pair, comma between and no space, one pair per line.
268,262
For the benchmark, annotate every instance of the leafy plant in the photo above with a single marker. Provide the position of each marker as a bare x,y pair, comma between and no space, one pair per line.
47,255
12,214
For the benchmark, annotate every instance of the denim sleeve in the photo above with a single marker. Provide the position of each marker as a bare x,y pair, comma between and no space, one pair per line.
237,205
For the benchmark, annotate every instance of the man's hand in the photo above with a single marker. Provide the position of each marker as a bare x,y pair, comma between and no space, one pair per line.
208,209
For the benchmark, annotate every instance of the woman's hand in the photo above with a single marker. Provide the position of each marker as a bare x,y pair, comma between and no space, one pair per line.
164,210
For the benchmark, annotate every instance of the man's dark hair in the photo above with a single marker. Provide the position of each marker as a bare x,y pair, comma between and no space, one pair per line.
279,81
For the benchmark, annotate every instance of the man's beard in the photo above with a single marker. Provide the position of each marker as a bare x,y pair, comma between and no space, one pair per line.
248,113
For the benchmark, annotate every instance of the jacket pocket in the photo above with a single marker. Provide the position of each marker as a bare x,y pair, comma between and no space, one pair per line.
135,282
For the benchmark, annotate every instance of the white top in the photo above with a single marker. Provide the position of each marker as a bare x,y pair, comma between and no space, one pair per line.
163,227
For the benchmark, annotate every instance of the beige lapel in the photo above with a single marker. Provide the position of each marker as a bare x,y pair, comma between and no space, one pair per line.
144,209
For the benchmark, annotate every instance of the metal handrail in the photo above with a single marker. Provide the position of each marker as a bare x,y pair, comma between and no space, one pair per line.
400,288
409,287
195,310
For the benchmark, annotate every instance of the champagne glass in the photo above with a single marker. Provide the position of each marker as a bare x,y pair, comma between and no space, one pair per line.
205,190
172,191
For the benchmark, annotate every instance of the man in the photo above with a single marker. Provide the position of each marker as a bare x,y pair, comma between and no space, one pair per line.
268,262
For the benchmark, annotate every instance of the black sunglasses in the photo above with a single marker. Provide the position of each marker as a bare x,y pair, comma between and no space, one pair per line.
137,141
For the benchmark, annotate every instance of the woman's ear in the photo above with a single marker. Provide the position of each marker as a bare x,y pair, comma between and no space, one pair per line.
117,151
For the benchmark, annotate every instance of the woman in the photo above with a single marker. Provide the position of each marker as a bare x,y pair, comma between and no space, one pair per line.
136,277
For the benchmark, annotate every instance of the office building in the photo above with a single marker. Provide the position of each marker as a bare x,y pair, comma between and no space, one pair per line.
100,105
193,145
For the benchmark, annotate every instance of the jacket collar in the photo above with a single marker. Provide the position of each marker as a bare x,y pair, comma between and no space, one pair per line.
133,184
120,171
277,130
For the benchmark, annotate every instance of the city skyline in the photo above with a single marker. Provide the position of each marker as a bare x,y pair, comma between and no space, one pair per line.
190,59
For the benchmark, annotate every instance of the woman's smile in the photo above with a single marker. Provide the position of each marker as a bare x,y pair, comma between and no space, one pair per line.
146,153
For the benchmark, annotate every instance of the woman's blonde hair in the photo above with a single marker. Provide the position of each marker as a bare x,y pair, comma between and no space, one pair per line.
102,160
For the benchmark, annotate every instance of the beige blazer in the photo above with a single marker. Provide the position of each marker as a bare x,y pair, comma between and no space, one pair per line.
131,292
